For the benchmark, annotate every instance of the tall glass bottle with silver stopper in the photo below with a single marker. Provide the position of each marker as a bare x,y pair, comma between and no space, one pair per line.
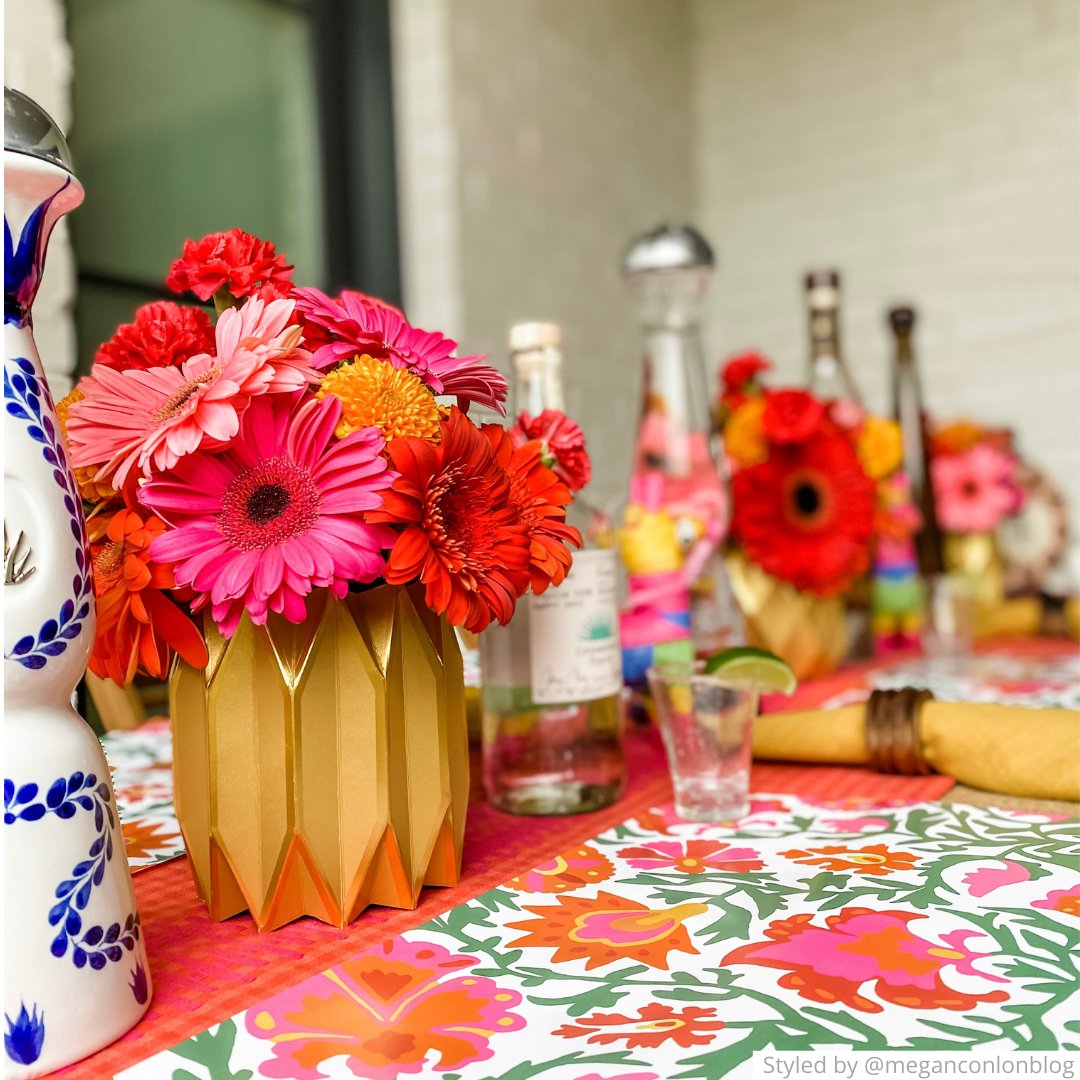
679,596
552,678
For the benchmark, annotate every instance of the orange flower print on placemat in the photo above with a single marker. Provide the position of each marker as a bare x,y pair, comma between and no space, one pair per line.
607,928
572,870
831,964
693,857
1067,901
876,859
385,1012
654,1025
143,839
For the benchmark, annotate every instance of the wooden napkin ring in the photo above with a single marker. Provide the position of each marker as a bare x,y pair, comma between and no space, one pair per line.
892,731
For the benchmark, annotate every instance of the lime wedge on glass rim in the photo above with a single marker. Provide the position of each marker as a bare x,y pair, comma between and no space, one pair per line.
754,669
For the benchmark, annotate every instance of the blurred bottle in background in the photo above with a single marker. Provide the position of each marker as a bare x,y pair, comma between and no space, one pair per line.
552,678
829,378
679,597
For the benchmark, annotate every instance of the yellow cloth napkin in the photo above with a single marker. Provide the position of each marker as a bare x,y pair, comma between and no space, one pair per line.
1007,748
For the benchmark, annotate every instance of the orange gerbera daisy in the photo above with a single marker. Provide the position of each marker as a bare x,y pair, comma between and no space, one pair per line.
606,929
461,537
374,393
876,860
540,500
136,623
90,488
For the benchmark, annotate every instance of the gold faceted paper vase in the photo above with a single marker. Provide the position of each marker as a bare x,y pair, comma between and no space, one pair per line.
323,767
807,631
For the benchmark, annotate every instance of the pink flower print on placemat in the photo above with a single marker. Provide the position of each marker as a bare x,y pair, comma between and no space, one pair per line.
831,964
1067,901
985,879
693,857
386,1012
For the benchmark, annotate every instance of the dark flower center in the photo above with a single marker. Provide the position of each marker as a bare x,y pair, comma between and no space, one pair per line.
266,502
970,489
807,499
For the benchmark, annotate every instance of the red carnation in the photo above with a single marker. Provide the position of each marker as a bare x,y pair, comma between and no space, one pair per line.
540,500
791,416
163,335
235,259
806,515
743,369
564,445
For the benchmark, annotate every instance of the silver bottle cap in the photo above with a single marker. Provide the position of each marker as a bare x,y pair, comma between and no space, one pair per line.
671,246
30,130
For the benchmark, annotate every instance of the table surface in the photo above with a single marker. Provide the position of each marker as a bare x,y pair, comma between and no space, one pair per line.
206,972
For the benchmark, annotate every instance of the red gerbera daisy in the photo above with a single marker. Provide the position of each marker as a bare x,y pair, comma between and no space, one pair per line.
162,335
540,500
235,259
806,514
462,538
564,445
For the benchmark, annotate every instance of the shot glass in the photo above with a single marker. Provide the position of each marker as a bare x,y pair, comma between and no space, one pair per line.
706,725
951,609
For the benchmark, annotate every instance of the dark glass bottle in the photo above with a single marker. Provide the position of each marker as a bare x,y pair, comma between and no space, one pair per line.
908,411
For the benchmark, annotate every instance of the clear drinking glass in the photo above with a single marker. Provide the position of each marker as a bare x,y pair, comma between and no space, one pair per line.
950,623
706,726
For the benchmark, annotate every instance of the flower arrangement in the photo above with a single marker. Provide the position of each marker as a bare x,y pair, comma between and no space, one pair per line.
300,442
975,476
808,479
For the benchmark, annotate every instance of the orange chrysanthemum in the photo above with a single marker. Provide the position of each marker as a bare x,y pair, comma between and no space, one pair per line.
461,537
540,499
137,624
90,488
374,393
607,928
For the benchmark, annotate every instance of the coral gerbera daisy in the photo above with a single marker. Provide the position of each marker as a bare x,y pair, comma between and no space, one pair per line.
462,539
147,420
137,624
564,445
806,515
358,324
374,393
160,335
282,510
234,259
539,498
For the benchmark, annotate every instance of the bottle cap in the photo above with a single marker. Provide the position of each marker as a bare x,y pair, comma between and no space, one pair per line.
823,290
830,278
526,336
671,246
902,319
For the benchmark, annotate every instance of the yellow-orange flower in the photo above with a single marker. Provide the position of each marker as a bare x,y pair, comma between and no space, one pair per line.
957,438
374,393
744,438
879,447
90,488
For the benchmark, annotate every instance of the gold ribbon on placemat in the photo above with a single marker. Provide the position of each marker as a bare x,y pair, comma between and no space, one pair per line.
1004,748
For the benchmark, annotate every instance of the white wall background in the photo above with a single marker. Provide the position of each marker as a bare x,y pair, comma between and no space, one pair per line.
927,148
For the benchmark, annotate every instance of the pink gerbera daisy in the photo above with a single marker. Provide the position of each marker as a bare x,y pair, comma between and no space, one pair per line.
149,419
281,511
975,490
360,324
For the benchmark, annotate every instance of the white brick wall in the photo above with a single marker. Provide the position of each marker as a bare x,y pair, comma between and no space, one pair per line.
930,150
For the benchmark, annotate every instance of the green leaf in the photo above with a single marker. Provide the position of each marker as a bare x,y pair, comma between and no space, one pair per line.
819,886
734,923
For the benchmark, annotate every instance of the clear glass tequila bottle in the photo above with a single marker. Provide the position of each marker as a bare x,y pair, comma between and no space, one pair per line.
552,678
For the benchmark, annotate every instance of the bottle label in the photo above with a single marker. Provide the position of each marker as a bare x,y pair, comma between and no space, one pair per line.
574,637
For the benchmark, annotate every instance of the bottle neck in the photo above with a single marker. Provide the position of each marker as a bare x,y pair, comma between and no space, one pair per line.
828,376
675,376
538,381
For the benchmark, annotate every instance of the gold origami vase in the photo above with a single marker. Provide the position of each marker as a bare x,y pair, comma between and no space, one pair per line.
323,767
808,631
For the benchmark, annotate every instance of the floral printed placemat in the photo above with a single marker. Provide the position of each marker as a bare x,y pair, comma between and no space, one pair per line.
665,949
141,764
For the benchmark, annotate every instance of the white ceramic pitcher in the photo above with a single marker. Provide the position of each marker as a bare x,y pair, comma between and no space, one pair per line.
75,969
